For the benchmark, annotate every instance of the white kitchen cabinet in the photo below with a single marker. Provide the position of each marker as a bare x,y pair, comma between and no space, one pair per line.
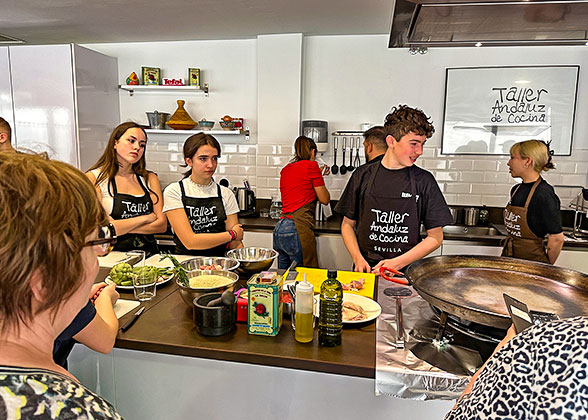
450,247
574,259
6,111
64,100
332,252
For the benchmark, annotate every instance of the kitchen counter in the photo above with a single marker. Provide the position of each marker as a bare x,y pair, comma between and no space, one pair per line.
162,368
333,226
166,326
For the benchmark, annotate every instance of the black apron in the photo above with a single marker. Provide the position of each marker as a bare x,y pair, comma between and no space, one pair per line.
126,206
388,225
206,215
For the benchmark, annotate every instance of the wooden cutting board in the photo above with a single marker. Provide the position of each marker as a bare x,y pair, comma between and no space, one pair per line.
316,276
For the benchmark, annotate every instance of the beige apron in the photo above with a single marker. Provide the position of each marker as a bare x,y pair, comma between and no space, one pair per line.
304,220
521,242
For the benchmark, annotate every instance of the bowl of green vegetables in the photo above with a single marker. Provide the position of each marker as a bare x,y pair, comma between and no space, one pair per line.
122,275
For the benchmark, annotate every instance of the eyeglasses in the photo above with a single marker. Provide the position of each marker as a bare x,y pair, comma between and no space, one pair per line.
105,242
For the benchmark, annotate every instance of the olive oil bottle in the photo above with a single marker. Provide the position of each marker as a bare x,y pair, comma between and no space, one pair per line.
330,312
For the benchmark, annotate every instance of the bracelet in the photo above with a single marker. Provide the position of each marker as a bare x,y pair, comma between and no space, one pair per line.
233,234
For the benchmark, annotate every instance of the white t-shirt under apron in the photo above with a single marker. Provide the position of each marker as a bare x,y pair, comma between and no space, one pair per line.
172,195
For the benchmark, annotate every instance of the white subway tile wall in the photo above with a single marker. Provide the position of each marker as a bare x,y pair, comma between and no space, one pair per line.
464,180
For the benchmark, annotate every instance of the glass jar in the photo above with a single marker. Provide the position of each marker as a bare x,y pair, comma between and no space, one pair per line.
276,207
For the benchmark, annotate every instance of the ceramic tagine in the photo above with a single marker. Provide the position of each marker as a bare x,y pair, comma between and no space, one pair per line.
181,120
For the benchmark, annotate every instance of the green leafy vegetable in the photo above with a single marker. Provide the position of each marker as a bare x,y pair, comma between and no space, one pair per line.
121,273
178,270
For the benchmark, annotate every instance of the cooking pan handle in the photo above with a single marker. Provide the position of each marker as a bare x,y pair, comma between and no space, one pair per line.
384,273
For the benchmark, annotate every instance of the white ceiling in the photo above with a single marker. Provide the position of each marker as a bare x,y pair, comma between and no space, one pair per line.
92,21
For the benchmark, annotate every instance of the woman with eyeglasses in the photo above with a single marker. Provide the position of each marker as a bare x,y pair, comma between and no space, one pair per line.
301,185
129,192
49,231
96,325
532,217
202,213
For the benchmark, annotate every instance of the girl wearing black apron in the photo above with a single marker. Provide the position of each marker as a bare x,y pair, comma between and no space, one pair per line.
129,193
126,206
204,222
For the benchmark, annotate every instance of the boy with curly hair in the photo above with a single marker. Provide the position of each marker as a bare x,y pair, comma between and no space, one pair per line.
385,203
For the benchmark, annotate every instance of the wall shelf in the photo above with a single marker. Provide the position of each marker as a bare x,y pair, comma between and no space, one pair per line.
162,88
212,132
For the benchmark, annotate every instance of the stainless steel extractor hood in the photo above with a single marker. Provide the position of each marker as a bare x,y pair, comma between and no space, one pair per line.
442,23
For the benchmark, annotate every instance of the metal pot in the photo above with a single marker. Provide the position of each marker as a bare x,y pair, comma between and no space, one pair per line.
472,215
454,214
157,119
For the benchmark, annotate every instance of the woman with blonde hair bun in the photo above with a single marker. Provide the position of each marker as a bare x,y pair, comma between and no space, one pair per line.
532,216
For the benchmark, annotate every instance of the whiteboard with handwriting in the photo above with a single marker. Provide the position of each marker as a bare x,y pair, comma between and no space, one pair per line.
488,109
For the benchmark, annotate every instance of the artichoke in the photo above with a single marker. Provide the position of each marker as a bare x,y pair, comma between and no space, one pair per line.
121,274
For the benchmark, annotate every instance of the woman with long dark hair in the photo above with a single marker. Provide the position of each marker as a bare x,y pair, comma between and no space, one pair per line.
301,185
130,194
203,214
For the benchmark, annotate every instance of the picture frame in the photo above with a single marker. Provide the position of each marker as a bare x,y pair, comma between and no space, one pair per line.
151,75
194,76
488,109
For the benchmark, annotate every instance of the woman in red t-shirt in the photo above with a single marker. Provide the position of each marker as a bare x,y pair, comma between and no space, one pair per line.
301,184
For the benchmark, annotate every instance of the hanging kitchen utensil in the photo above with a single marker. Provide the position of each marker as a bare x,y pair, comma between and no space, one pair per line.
385,273
472,287
357,162
335,168
350,168
343,168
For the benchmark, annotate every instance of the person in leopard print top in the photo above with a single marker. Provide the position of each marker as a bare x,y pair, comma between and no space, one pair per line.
541,373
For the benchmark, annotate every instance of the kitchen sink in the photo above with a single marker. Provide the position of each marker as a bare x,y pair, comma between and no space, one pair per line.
470,230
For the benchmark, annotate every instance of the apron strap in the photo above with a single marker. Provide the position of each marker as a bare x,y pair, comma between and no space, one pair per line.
143,186
114,189
182,188
532,192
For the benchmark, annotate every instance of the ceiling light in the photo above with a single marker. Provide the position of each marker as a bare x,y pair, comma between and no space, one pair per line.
478,44
423,50
412,50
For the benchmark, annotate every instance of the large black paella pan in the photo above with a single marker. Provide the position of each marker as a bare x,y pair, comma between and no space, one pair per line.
471,287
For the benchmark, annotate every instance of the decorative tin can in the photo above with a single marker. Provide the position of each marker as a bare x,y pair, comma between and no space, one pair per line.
194,76
264,291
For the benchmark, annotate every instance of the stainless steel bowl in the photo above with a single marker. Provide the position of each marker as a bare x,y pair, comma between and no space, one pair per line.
189,293
227,264
253,259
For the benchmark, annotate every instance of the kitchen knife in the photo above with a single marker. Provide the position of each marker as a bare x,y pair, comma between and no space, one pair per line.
292,273
131,321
